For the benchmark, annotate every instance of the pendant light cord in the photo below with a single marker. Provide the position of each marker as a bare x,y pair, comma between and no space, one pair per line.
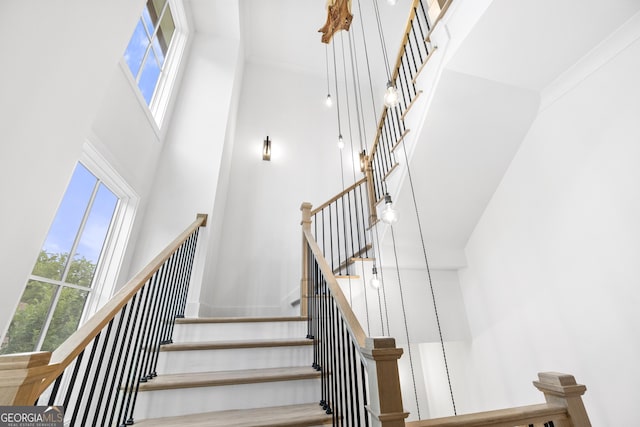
326,57
426,260
404,317
382,41
366,54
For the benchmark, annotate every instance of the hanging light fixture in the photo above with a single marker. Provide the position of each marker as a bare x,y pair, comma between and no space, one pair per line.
375,281
266,149
340,142
391,95
328,102
389,214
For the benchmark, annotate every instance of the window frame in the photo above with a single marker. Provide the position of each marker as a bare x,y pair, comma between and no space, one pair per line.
157,109
111,257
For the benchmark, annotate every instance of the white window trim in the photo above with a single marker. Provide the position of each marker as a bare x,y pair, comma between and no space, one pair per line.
113,252
157,110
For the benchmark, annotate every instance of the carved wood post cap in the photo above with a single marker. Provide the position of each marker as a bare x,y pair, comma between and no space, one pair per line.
204,219
306,214
381,348
558,384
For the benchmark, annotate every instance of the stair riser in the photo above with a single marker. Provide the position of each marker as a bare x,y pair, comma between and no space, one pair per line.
238,331
165,403
170,362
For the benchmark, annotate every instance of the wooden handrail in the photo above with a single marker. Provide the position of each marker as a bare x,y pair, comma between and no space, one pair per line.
73,346
338,196
521,415
564,403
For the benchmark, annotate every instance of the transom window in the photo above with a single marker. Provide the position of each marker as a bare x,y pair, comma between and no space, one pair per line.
148,48
62,279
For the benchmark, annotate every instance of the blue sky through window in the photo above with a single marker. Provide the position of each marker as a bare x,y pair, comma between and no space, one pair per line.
73,207
144,54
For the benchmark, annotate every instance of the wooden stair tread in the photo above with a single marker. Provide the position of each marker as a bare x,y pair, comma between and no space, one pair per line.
226,345
310,414
189,320
219,378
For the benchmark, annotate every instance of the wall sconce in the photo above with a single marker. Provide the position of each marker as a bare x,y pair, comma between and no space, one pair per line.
363,161
266,149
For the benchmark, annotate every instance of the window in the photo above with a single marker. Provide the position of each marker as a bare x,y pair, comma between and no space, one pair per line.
79,261
154,53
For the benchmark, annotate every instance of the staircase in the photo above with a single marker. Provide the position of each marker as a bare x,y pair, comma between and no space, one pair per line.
234,372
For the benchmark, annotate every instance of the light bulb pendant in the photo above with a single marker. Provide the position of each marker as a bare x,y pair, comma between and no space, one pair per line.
389,214
340,142
391,98
375,281
328,102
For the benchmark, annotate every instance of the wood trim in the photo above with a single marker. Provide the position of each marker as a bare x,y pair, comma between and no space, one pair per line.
411,104
350,261
337,196
71,348
343,305
404,134
443,10
424,63
393,168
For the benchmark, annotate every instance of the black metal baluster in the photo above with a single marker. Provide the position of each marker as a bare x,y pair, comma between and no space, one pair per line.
72,382
133,378
157,321
123,351
54,391
85,377
96,376
364,393
114,349
129,354
169,316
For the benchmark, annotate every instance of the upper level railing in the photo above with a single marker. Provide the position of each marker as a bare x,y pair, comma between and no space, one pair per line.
415,51
95,373
340,227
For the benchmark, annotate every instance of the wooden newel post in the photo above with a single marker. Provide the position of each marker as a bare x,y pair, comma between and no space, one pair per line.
562,389
21,376
385,400
304,281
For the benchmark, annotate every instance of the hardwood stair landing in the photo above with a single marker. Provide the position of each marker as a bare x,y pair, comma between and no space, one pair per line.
310,414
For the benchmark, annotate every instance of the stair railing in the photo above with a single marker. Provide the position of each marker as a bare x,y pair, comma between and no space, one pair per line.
360,384
414,53
563,408
95,373
340,227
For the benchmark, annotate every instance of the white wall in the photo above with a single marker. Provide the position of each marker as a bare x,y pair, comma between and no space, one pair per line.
57,66
260,246
552,277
